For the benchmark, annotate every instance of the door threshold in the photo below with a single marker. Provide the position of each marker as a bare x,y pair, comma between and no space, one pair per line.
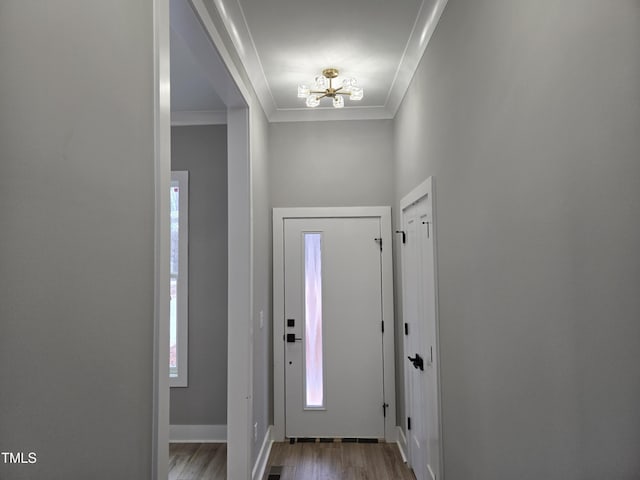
293,440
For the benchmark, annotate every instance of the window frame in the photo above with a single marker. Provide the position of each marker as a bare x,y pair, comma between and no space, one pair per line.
181,180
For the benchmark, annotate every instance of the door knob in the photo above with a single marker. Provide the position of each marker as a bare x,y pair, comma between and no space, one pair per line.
291,338
418,362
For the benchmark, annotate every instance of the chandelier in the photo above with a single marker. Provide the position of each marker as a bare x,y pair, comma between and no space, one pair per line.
323,87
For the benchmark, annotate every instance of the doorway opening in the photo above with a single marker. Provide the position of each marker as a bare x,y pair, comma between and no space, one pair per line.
193,23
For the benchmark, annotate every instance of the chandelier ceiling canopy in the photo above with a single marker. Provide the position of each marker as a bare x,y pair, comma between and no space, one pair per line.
323,87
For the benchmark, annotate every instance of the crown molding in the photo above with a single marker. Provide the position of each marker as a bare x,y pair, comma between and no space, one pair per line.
207,117
320,114
423,28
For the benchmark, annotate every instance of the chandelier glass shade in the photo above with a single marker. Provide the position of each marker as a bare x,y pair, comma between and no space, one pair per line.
323,88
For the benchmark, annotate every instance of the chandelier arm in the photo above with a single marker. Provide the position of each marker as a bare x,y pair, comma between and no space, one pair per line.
343,93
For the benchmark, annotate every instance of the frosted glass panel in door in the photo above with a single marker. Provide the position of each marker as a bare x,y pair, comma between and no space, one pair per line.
313,320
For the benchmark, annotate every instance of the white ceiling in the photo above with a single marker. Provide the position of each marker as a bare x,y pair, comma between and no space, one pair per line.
283,43
361,38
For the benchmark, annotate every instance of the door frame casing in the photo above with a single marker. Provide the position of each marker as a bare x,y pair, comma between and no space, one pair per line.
389,389
425,189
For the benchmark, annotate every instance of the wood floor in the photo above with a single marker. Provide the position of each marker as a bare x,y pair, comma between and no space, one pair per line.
338,461
196,461
299,461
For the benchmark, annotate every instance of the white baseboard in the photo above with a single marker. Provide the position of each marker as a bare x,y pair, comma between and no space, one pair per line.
402,444
263,456
198,433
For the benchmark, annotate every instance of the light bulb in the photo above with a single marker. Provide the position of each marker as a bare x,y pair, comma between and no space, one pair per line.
356,93
338,101
313,101
349,82
320,83
303,91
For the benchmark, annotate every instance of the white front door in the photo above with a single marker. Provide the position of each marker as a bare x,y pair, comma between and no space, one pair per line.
333,327
419,306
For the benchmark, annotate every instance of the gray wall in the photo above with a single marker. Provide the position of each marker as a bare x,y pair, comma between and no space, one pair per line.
76,241
335,164
318,164
202,150
528,116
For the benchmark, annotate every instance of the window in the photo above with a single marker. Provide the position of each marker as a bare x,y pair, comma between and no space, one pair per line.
178,308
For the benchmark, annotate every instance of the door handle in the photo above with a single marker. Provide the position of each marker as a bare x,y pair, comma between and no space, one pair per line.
291,338
418,362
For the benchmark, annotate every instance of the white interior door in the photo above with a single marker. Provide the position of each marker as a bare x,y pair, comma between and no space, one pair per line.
416,424
421,370
333,328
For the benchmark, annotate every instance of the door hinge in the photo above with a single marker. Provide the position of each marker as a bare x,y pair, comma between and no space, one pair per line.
406,329
379,242
428,230
404,235
382,326
408,423
384,409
